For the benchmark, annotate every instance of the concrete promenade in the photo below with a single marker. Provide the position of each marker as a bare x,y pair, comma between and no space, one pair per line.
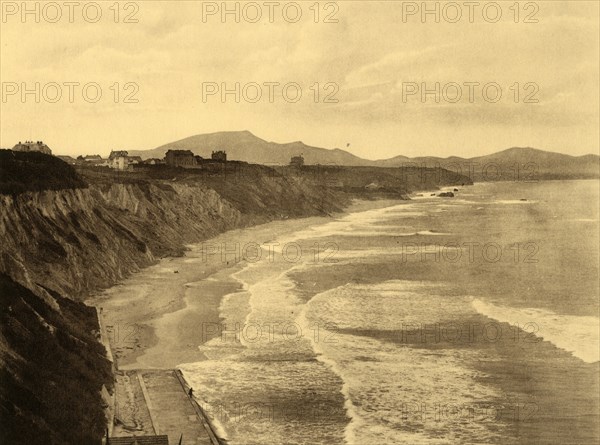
149,402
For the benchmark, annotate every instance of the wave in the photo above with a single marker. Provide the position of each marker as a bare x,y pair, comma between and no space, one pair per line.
513,201
348,224
351,411
575,334
430,232
383,382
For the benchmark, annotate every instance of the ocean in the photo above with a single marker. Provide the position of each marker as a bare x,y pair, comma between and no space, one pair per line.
470,320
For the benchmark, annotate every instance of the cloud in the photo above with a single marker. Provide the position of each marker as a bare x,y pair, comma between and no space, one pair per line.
370,53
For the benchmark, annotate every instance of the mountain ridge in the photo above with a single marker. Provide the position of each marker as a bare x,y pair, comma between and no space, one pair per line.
245,146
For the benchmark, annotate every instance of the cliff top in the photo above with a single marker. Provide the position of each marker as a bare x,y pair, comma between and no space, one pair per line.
33,171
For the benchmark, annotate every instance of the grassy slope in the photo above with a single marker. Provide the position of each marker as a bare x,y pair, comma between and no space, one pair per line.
21,172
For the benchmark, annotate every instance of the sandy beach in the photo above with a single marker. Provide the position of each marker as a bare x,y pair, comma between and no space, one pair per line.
157,318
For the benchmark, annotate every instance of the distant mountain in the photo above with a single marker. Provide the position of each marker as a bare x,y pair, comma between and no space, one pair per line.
244,146
514,163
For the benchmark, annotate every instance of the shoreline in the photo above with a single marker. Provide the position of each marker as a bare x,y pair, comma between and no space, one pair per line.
172,325
163,310
156,319
151,317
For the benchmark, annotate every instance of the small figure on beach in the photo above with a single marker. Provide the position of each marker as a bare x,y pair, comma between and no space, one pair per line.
191,392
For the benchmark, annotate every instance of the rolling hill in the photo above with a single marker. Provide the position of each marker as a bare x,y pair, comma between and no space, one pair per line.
515,163
244,146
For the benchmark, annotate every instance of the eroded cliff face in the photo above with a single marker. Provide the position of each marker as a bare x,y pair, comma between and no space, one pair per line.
61,245
52,369
67,233
73,241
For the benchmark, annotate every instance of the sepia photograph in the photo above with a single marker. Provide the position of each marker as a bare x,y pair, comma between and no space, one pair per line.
352,222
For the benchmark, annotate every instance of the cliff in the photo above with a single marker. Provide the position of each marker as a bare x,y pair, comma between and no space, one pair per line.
53,369
76,240
23,171
90,228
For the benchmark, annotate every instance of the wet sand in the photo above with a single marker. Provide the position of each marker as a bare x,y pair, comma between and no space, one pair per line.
157,318
160,317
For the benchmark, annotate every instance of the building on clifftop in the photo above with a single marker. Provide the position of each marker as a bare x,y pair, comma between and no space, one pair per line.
117,153
180,158
95,160
135,159
153,161
219,156
297,161
118,159
30,146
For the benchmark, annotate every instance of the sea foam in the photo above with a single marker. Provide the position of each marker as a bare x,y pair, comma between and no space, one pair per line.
576,334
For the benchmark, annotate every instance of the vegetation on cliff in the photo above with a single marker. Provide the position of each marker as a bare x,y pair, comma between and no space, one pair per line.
32,171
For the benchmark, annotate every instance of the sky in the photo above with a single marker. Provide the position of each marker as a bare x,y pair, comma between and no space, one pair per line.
378,79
